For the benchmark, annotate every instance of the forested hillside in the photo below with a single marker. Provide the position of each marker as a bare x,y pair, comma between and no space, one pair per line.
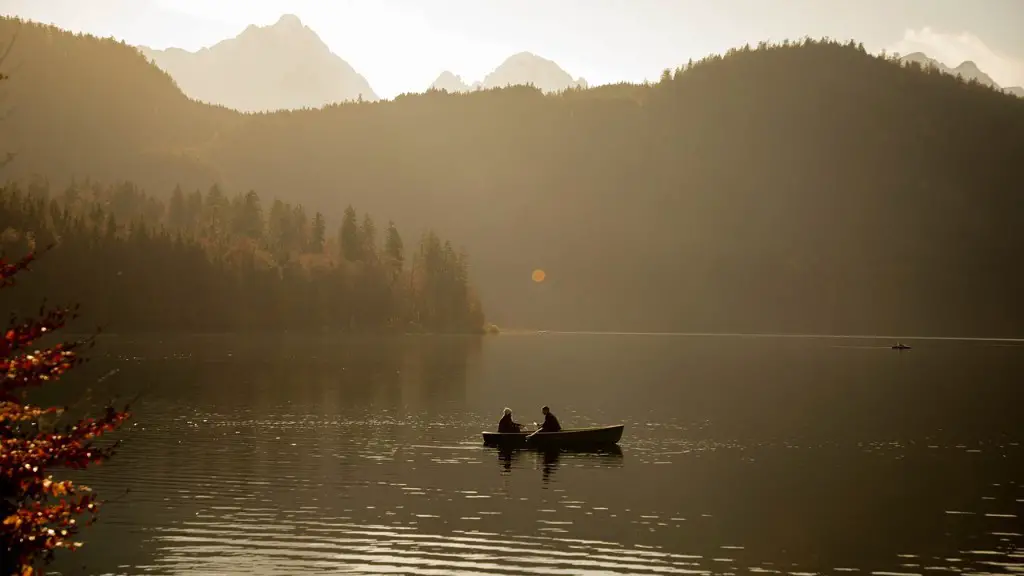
209,262
803,187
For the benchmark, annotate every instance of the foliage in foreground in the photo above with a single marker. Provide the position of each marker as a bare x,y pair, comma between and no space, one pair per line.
40,514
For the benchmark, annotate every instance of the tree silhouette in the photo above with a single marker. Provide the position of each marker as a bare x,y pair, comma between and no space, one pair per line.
142,266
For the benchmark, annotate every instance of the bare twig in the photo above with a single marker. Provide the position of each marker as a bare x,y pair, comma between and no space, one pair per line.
9,157
7,49
3,59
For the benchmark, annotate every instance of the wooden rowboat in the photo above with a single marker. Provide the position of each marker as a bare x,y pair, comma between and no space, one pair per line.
568,437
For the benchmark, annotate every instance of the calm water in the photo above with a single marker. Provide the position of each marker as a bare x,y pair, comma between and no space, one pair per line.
296,455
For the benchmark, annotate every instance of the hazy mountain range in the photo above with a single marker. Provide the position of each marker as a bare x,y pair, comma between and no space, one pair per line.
282,66
805,188
967,69
287,66
523,68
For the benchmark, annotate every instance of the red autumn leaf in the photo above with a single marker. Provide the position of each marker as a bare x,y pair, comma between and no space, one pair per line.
37,513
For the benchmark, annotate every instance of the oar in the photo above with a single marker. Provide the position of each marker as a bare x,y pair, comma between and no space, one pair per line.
533,433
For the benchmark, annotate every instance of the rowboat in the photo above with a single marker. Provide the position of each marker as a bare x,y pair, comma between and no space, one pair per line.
900,347
568,437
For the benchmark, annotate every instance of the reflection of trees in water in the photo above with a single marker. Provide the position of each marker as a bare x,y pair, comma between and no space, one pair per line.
247,409
548,460
444,364
332,373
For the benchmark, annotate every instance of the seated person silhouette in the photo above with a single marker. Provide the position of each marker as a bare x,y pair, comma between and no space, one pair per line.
506,425
550,422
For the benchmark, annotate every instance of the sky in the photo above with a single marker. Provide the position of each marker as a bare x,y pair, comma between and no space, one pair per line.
403,45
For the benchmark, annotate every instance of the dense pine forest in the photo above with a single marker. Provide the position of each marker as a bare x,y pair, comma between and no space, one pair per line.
803,187
213,262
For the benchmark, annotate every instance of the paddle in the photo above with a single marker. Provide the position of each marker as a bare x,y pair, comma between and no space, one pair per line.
531,435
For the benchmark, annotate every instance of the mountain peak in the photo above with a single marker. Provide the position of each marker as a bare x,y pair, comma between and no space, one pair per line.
920,57
288,21
970,71
288,25
524,56
521,68
449,75
967,69
450,82
284,65
529,59
529,68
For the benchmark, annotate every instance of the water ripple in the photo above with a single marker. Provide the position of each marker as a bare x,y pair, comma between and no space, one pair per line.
320,460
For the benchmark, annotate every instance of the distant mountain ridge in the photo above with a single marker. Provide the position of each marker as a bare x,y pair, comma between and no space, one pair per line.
519,69
967,69
286,66
451,82
265,68
798,188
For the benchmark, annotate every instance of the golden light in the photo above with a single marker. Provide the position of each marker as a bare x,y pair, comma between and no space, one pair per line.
538,275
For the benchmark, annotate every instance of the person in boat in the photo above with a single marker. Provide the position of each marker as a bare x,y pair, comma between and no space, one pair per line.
507,425
550,422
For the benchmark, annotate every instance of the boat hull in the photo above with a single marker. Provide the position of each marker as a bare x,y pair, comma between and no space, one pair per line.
574,437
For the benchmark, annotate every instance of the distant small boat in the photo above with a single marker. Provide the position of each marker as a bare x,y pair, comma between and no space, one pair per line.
569,437
899,346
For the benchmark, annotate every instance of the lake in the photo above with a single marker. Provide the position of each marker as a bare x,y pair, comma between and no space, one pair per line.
309,454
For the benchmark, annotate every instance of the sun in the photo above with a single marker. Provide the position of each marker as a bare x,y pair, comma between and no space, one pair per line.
538,275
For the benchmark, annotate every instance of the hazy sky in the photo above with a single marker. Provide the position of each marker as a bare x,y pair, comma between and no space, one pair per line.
402,45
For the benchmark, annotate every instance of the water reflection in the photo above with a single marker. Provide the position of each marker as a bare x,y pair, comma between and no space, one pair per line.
548,459
299,454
